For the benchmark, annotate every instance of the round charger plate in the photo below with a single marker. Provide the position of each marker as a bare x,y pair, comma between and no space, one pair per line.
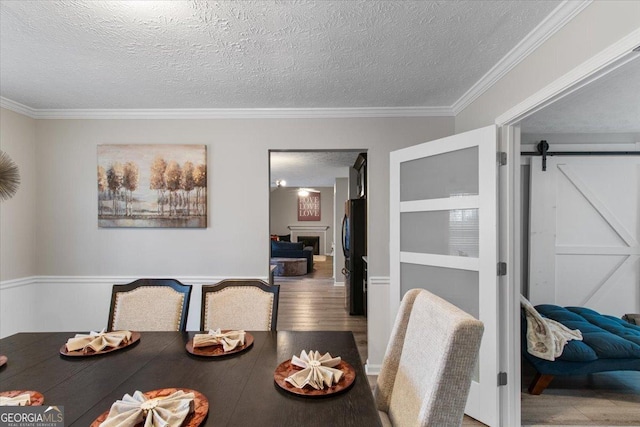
194,419
135,337
216,350
286,369
3,360
37,399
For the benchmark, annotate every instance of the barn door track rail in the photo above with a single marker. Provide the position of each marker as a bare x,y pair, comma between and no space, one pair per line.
543,150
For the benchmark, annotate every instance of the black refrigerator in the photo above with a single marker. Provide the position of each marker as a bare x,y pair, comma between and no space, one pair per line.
354,246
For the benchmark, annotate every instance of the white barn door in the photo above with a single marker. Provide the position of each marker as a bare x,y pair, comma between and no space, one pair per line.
584,233
443,201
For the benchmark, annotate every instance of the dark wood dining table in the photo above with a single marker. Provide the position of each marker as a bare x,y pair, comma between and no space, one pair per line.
240,388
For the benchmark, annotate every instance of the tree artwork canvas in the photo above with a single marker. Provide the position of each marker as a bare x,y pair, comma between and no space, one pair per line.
152,186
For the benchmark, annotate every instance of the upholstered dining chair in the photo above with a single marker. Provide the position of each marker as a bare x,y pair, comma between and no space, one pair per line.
429,363
149,305
250,304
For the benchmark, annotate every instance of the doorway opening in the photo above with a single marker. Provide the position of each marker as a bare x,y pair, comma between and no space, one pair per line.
308,191
516,254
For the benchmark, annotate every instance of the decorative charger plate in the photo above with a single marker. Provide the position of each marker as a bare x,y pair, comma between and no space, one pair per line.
216,350
194,419
286,369
135,337
37,399
3,360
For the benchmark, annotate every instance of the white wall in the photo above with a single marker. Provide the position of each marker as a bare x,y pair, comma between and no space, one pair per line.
17,215
236,243
284,212
598,26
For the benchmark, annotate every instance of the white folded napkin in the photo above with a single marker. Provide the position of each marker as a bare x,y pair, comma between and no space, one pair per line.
19,400
318,370
169,411
97,341
229,340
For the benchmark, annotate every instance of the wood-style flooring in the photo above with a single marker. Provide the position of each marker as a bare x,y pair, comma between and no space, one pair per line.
313,303
602,399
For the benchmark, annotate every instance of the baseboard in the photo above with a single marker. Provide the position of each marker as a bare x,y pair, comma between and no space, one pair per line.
372,369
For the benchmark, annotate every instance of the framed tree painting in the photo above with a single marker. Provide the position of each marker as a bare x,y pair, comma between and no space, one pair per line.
152,186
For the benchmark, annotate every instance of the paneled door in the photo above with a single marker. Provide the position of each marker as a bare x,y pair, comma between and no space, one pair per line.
444,239
585,233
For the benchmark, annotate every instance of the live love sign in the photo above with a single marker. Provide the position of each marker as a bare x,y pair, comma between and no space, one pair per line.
309,207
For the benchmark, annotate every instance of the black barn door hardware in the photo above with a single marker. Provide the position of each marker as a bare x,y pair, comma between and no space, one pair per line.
543,150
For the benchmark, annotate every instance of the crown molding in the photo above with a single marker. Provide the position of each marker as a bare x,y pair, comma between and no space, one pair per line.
17,107
557,19
595,67
226,113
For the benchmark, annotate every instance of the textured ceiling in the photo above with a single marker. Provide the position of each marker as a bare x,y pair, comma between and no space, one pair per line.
254,54
311,168
611,104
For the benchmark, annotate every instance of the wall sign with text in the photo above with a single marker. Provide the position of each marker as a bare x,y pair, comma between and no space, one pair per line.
309,207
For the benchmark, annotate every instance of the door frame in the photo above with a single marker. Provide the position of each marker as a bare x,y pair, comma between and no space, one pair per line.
509,231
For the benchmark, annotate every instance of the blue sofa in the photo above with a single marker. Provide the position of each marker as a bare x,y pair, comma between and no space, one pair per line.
608,344
292,250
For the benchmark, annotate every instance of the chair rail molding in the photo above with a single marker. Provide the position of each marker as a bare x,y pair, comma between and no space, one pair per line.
16,283
113,280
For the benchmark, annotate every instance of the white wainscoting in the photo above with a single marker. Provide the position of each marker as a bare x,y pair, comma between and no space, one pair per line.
75,304
72,303
378,327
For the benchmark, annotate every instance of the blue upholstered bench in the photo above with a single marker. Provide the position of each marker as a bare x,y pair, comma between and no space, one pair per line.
609,344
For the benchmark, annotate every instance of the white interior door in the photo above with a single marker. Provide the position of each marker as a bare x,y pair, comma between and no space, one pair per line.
584,233
444,239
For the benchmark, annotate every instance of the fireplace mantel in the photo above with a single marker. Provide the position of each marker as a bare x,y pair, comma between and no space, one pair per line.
320,230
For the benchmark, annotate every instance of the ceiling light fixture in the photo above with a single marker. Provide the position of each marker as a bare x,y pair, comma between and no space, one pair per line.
281,183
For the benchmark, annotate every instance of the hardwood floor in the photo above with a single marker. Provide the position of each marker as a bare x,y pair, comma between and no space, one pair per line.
603,399
312,303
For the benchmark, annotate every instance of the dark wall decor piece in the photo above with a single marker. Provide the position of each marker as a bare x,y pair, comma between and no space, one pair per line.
309,206
9,177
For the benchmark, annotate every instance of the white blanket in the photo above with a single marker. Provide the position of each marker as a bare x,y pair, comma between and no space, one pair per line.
546,338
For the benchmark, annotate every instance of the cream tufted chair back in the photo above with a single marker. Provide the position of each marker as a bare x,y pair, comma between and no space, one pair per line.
251,305
150,305
429,363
